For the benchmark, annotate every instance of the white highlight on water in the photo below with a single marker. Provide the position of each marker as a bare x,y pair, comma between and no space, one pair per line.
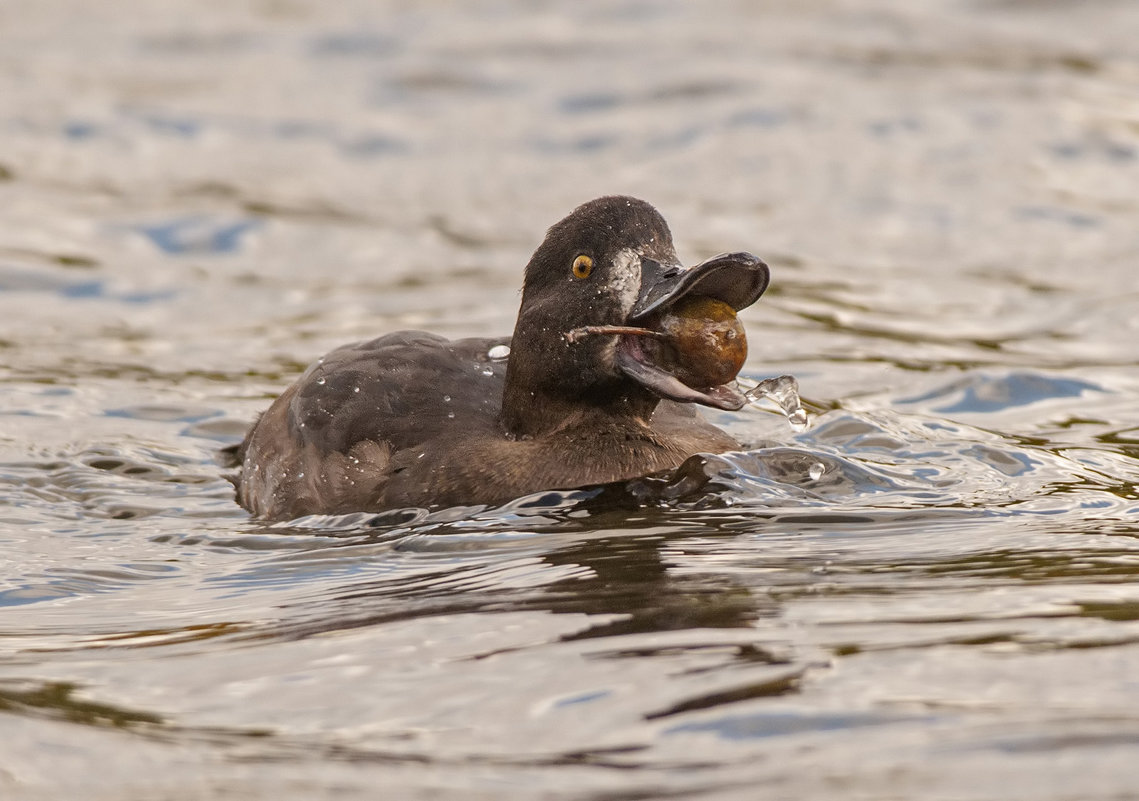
498,352
784,390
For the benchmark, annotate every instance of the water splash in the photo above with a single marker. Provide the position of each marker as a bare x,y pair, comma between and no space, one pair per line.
784,390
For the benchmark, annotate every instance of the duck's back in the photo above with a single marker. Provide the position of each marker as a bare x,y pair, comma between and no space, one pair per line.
326,445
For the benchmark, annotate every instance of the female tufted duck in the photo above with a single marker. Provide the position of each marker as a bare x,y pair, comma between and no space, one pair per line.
413,419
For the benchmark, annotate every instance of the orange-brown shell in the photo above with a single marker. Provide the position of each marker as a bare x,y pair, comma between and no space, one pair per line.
707,341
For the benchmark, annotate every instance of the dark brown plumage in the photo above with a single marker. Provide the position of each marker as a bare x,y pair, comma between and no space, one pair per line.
412,419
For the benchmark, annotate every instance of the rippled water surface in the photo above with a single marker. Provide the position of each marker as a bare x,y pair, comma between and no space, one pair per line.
932,592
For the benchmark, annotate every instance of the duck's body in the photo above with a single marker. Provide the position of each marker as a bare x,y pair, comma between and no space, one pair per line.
350,451
414,420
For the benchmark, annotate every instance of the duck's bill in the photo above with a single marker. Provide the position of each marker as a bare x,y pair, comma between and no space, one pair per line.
737,279
635,363
734,279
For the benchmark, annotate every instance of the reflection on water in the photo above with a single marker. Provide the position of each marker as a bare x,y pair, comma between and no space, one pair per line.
929,592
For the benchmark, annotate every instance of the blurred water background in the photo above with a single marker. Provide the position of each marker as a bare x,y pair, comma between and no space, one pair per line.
931,593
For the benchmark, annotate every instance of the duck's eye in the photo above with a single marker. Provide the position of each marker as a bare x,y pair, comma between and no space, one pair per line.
582,266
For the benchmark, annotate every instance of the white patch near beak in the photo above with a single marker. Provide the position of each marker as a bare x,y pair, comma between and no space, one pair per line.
625,281
623,288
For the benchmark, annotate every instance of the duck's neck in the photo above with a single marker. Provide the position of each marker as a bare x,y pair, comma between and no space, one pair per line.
551,386
530,412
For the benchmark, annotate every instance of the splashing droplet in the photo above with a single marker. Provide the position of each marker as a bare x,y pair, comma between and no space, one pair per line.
498,352
798,420
816,470
784,390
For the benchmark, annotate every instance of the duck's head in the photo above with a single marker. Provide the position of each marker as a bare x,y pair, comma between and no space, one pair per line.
611,264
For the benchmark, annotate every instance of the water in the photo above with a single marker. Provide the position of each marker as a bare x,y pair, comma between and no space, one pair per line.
784,391
928,593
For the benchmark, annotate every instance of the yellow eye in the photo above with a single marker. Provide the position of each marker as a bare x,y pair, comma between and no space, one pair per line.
582,266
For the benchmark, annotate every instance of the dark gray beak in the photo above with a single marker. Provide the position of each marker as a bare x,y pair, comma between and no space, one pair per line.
737,279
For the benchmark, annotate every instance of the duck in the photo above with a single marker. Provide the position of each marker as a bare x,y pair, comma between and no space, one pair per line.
576,397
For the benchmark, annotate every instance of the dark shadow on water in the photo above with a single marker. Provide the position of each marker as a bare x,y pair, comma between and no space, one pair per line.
761,725
57,700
